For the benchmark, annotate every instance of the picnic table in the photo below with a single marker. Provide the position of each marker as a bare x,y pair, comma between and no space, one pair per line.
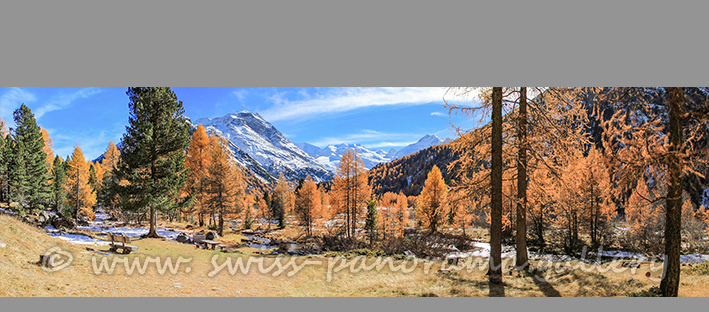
201,240
213,245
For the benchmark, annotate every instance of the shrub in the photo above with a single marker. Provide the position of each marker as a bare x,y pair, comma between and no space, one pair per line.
652,292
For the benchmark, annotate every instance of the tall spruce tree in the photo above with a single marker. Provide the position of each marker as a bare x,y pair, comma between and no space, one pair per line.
153,153
4,152
17,176
58,181
34,160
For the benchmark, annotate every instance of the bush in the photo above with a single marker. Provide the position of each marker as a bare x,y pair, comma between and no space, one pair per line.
652,292
700,269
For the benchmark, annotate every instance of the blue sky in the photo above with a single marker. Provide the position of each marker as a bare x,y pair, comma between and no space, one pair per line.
378,118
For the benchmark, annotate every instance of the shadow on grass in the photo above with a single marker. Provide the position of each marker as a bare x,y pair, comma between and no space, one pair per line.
546,287
496,290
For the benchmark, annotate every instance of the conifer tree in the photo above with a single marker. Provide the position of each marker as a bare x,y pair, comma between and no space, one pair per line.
17,174
224,185
197,161
433,201
47,147
153,153
351,190
280,200
308,206
370,224
5,142
58,181
107,195
35,159
81,198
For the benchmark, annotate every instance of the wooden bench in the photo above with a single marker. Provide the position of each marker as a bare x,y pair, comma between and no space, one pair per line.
120,241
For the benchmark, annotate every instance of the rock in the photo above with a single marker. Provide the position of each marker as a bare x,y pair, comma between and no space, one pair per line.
58,223
409,254
212,236
182,237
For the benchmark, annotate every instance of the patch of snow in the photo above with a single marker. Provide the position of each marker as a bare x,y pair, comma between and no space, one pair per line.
79,239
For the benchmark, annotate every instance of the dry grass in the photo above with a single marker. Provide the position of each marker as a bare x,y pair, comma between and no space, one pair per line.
22,277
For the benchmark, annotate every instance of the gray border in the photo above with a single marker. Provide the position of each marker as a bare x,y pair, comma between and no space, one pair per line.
362,43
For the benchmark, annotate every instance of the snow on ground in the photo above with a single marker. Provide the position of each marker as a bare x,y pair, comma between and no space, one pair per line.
509,252
79,239
623,255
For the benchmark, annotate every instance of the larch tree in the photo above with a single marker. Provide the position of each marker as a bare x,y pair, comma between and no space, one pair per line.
153,153
308,206
540,128
281,200
80,198
351,190
197,162
659,134
496,188
433,201
224,186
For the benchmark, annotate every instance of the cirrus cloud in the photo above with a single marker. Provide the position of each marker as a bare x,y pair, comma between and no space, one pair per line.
340,100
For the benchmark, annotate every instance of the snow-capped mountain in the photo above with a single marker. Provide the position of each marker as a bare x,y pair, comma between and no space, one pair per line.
330,155
259,146
425,142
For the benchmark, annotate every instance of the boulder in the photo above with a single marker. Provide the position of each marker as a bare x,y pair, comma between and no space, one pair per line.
59,223
212,236
182,237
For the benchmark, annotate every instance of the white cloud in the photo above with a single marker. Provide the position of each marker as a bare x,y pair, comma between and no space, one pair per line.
345,99
62,101
440,114
241,94
11,100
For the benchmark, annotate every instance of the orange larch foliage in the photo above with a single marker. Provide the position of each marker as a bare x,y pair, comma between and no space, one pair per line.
308,205
48,148
351,191
224,187
77,185
433,201
197,160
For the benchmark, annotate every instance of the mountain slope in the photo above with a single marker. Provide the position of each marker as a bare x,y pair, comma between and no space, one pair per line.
330,156
258,145
425,142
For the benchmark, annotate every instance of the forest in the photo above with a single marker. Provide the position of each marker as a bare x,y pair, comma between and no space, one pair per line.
550,170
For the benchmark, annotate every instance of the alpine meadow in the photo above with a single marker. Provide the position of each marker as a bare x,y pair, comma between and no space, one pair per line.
374,192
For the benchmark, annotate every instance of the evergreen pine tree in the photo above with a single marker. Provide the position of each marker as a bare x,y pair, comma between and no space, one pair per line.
153,153
58,181
17,174
3,161
35,159
370,224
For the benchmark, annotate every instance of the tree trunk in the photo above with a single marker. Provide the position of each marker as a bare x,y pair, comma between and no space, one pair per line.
221,224
522,259
153,221
496,189
673,223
